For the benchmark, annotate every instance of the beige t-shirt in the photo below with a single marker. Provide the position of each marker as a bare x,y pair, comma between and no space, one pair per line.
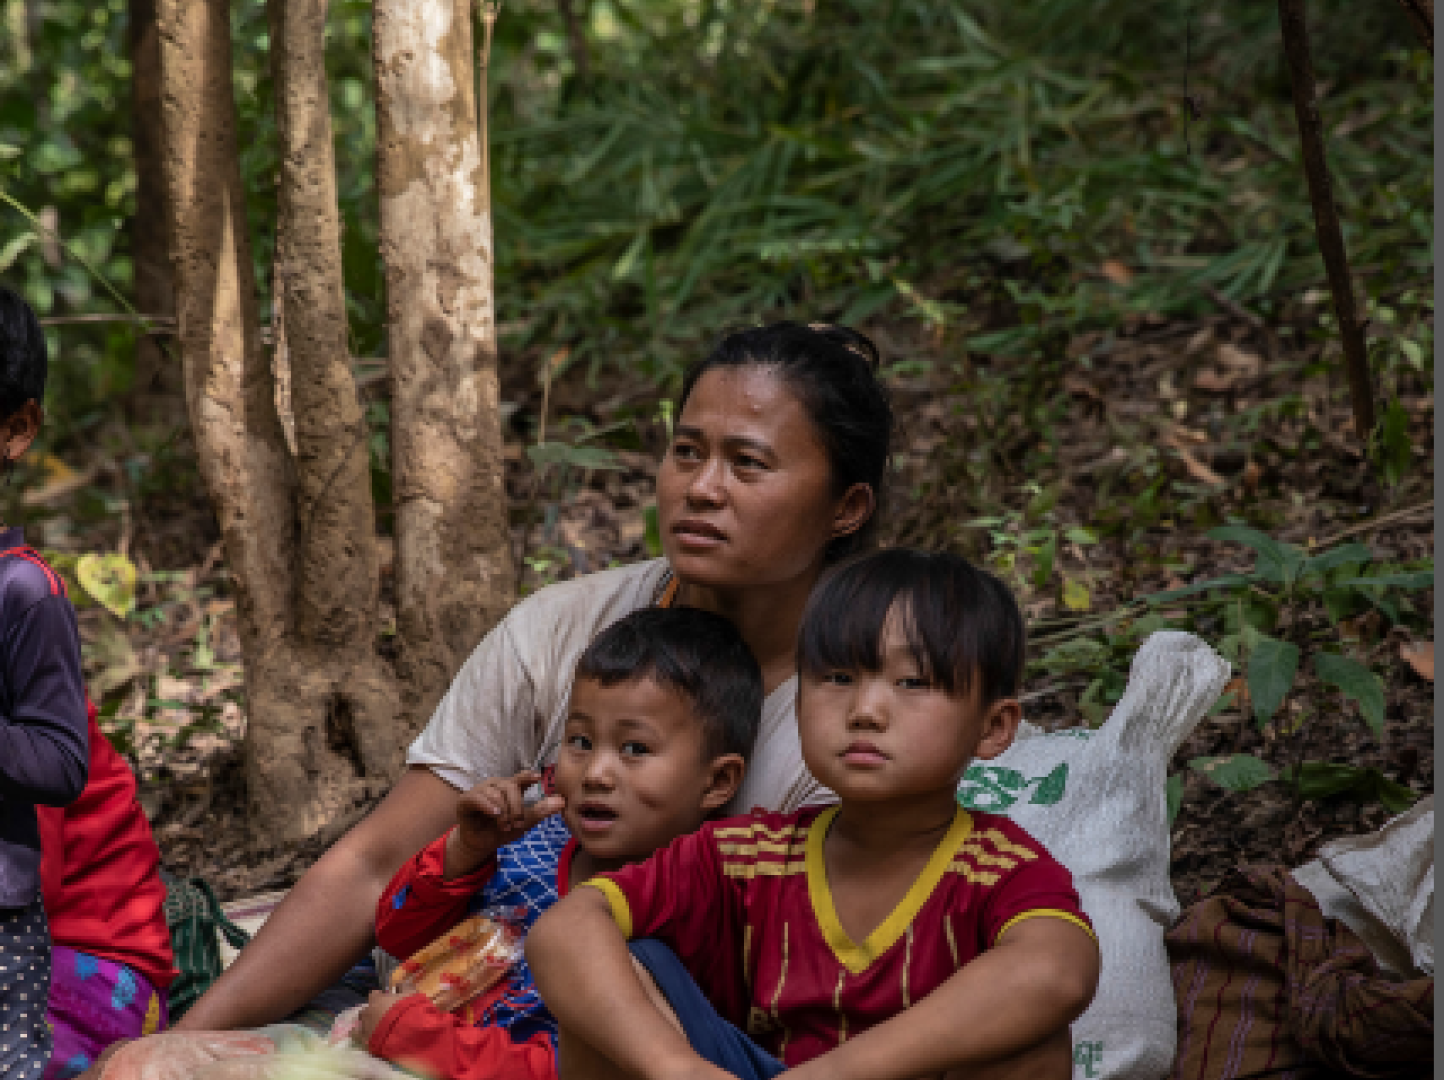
507,706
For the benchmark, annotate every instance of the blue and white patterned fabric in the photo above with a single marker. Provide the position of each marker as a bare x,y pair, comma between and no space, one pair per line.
526,882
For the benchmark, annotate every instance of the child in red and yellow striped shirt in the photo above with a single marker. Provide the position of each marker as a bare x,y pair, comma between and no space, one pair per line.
892,935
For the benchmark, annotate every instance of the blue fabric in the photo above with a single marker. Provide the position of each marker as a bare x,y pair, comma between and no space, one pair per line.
524,886
715,1039
44,725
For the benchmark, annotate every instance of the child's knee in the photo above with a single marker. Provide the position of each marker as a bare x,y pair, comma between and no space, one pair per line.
578,1060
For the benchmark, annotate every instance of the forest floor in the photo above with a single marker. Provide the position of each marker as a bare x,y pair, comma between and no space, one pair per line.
1146,437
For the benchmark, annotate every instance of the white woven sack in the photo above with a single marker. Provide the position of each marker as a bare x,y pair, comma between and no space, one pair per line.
1096,800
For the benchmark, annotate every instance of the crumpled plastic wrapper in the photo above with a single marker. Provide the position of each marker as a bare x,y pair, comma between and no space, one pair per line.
463,963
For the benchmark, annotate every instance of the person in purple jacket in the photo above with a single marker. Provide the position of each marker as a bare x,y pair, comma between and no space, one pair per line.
44,746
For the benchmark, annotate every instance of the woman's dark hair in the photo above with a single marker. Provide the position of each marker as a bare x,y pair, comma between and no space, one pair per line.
23,358
961,623
694,653
832,370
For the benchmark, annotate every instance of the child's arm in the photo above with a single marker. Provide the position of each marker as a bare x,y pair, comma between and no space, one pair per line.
413,1033
420,904
44,741
429,894
584,973
1029,987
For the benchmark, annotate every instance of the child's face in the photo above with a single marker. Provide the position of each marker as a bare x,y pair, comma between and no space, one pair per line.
632,769
874,735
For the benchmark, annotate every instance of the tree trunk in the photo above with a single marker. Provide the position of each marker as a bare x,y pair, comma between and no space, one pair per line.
327,721
159,390
238,438
453,562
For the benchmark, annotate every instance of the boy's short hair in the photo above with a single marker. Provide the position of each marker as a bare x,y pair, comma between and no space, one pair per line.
694,653
23,357
962,623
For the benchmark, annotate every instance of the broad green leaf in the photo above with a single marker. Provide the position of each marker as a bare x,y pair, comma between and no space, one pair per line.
1414,579
1173,796
14,247
1322,779
1357,682
1272,665
110,580
1081,536
1237,772
1357,554
1076,596
1276,561
1228,581
1043,564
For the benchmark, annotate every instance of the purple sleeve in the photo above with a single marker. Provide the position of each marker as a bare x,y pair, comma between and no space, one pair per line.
44,741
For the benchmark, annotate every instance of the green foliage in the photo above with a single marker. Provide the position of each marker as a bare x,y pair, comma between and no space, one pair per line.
725,162
1238,772
1320,780
1266,614
1272,665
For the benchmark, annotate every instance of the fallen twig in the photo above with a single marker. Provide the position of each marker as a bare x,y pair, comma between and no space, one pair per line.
1377,523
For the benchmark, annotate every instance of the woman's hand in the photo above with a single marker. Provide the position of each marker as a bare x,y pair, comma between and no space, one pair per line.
378,1005
492,814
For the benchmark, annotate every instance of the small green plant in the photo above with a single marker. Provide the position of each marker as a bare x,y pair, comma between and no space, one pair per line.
1025,546
1292,612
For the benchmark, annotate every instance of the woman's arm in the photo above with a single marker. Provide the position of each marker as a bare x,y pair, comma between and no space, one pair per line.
1015,996
325,924
584,973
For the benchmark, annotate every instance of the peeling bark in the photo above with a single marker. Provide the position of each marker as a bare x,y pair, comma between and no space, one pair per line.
453,564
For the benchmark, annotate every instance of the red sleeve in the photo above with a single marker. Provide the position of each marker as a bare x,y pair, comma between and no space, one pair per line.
678,895
418,906
419,1037
1040,887
682,897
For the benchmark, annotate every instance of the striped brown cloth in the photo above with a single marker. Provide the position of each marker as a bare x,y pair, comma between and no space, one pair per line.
1266,986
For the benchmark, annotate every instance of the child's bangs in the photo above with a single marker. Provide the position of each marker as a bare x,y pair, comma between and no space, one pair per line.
960,623
849,614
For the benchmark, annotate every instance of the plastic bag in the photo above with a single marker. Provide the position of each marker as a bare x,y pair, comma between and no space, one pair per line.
181,1055
464,962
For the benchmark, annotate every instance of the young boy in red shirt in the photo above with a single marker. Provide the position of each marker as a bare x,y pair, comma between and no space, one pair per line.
895,935
664,710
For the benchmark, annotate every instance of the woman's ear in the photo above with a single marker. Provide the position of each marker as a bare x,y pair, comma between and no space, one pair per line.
1000,726
853,510
724,778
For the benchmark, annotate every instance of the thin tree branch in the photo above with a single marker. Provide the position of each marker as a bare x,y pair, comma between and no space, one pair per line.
1421,17
1326,215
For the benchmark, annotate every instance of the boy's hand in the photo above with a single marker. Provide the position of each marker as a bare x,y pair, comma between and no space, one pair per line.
490,815
378,1005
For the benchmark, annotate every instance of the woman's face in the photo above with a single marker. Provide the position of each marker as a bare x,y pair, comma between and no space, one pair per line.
745,493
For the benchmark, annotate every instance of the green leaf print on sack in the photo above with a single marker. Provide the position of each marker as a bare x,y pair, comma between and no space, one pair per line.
994,789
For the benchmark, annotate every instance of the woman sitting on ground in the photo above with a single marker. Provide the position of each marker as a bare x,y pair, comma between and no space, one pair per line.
774,471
